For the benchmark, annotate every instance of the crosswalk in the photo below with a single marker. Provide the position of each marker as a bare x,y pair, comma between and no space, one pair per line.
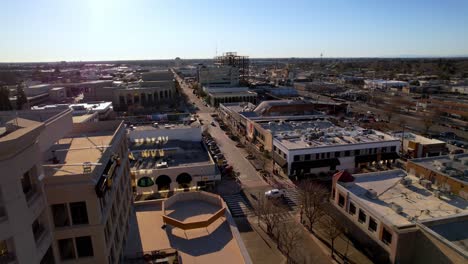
238,205
292,198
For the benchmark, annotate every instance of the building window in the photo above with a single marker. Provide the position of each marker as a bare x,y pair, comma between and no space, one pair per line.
79,213
323,155
60,214
352,209
297,158
337,154
393,148
26,182
386,236
328,155
84,246
372,224
274,148
307,157
317,156
356,152
362,216
145,182
347,153
66,249
341,200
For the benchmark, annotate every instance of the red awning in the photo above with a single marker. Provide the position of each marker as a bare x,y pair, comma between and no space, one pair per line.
343,176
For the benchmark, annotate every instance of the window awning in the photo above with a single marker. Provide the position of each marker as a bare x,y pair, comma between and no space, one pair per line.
310,164
366,158
390,156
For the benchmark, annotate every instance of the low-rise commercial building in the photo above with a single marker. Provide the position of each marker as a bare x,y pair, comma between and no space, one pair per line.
416,146
448,172
219,95
84,112
154,88
401,219
167,158
308,148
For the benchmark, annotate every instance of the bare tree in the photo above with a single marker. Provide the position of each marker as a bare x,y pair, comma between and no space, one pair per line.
270,214
312,198
332,229
428,121
289,237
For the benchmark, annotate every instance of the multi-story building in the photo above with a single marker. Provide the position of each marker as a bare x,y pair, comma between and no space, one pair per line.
448,172
169,158
218,75
402,219
25,234
416,146
65,188
88,189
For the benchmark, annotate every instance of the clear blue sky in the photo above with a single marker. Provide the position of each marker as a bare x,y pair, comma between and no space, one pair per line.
54,30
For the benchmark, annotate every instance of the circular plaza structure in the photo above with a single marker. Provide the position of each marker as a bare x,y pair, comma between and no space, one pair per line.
191,210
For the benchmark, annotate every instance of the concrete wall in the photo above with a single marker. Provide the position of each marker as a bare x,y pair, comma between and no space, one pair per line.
458,187
20,213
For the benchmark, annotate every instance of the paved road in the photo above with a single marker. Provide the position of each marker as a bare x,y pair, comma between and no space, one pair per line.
235,156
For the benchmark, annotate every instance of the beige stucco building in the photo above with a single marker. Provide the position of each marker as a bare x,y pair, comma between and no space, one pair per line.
65,189
25,234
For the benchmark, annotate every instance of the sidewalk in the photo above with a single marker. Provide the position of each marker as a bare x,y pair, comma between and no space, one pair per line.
261,248
342,245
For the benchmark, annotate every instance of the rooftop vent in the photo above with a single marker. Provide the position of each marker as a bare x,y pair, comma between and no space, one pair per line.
372,194
406,181
426,184
396,207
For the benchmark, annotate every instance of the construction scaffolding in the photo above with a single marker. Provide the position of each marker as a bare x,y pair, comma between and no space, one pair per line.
232,59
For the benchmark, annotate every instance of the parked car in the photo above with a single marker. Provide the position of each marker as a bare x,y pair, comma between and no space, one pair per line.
239,145
213,123
219,156
275,193
250,157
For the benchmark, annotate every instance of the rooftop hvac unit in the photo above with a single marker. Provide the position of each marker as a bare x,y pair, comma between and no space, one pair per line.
442,168
464,161
406,181
426,184
396,207
436,193
372,194
453,157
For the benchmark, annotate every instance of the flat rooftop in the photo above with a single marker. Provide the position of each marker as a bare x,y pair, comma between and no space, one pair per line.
321,133
78,108
454,230
174,152
214,244
77,150
418,138
417,202
454,166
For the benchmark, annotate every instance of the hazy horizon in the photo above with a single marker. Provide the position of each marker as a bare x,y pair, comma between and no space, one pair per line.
122,30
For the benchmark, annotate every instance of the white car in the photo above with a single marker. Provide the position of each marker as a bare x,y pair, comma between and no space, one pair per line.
275,193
